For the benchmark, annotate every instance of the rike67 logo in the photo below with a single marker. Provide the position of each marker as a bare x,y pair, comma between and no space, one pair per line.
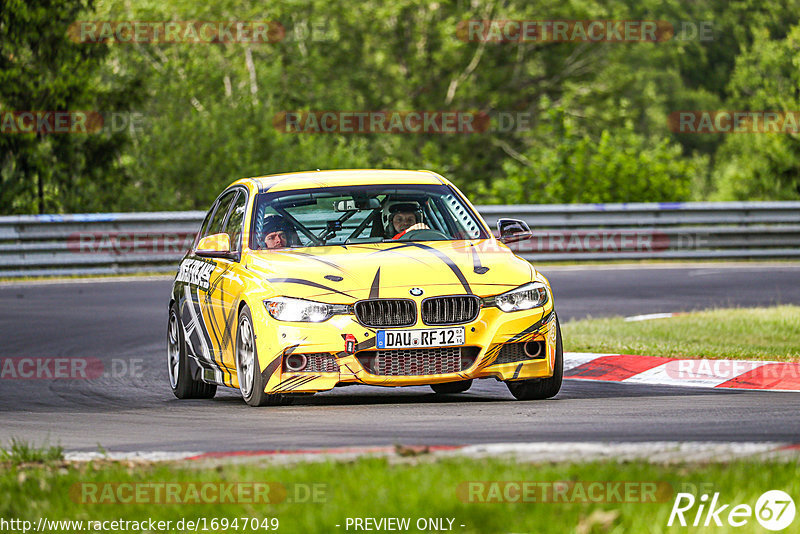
774,510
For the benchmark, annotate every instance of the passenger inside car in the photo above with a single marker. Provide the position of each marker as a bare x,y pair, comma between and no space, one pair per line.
403,217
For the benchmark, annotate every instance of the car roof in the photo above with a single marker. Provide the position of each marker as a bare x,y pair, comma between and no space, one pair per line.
334,178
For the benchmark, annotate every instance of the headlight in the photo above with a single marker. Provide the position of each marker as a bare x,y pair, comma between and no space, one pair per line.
524,297
306,311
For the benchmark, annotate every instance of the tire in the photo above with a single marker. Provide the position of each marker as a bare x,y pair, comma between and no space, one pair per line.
180,376
449,388
541,388
248,368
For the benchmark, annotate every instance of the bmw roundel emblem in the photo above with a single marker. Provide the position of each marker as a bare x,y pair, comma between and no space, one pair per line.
416,291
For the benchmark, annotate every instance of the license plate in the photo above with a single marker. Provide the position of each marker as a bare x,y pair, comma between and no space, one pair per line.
409,339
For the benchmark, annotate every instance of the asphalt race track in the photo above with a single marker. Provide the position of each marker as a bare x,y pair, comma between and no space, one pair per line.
123,323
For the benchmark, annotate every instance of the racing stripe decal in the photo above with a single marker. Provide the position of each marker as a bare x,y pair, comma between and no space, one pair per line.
195,326
307,283
312,257
516,371
224,338
477,268
271,367
376,282
286,383
295,383
449,262
525,335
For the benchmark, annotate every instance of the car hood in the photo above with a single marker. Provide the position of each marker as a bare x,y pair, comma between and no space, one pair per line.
389,270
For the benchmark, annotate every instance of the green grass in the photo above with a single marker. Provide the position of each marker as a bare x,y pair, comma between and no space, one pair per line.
740,333
20,452
413,488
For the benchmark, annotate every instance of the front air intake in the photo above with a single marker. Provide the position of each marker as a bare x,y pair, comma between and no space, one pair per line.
456,309
388,313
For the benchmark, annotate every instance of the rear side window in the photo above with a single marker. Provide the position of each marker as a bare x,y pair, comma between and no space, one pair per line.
235,219
204,226
217,224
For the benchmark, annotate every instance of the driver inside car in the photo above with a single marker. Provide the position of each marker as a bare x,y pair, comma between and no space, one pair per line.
277,232
404,217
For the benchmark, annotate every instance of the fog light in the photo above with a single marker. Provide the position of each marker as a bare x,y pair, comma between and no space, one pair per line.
533,349
296,362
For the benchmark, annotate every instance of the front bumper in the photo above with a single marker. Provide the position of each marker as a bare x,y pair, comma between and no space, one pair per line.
486,336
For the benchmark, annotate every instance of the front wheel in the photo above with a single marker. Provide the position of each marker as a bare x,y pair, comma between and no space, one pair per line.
248,368
541,388
180,376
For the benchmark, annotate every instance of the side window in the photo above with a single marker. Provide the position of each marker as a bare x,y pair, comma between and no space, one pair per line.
234,225
216,225
204,226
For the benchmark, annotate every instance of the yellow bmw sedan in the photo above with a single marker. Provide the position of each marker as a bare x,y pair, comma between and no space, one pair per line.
298,283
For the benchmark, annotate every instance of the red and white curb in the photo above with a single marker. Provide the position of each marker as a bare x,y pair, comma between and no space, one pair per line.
651,316
653,370
661,452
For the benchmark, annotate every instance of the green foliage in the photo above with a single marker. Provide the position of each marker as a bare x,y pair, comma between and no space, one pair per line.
41,69
618,164
763,166
598,129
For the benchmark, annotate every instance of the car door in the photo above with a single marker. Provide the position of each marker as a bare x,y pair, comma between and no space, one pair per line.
198,276
220,305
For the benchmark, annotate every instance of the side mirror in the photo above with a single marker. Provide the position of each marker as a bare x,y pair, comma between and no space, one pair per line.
214,246
513,230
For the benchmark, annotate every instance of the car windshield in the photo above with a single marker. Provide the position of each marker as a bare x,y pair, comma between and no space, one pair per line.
362,214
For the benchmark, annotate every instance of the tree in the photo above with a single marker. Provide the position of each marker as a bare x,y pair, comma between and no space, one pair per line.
43,70
762,165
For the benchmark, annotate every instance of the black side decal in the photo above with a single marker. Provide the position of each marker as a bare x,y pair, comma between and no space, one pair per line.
476,262
307,283
376,283
516,371
316,258
270,369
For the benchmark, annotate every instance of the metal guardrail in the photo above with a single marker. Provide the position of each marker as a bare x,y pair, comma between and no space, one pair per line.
108,243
